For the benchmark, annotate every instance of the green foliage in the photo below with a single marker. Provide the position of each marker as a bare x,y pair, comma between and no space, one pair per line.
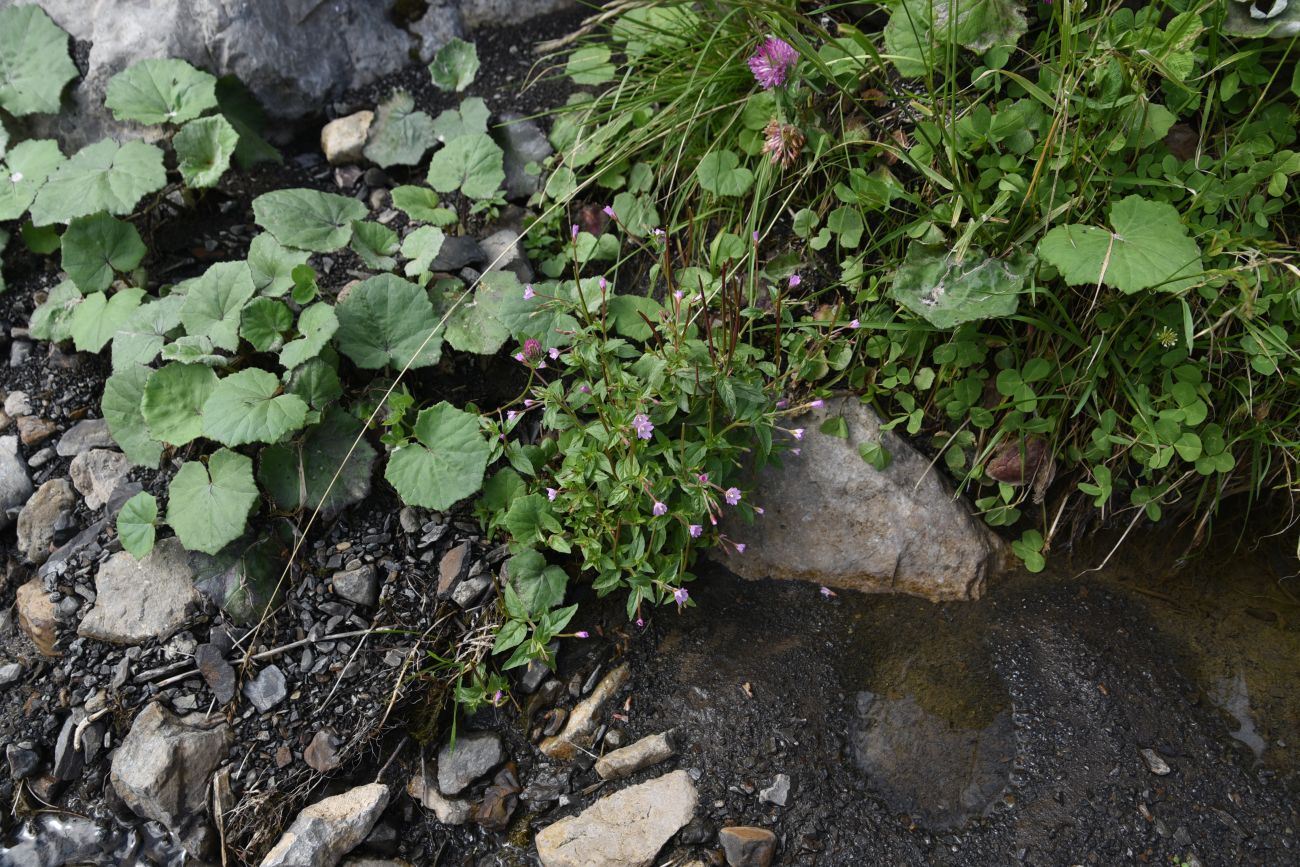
173,401
722,174
161,91
472,164
386,321
122,406
947,291
104,176
246,407
23,173
204,148
308,219
135,524
400,135
214,303
271,265
297,475
208,506
455,65
96,319
34,61
446,462
95,247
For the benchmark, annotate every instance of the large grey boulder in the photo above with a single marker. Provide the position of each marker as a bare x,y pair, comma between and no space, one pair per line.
625,829
15,482
833,519
327,830
136,600
162,768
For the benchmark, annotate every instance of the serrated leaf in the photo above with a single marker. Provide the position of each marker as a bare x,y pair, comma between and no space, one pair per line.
375,243
400,135
590,65
720,173
104,176
34,61
204,148
418,203
946,292
472,164
271,265
448,462
308,219
96,246
135,524
384,321
264,323
421,246
915,27
455,65
23,174
160,91
208,507
471,117
141,338
316,382
97,318
496,312
246,407
52,320
121,408
316,325
529,519
173,401
213,303
1148,249
297,475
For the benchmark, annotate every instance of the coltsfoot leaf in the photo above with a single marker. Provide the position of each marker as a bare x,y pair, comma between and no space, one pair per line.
447,463
135,524
173,401
208,507
246,407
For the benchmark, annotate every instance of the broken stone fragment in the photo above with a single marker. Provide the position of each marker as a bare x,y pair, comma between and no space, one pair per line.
625,762
584,718
327,830
344,139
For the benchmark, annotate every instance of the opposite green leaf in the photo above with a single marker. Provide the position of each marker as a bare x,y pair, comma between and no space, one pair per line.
96,246
316,325
455,65
448,466
23,174
98,318
34,61
472,163
308,219
385,321
271,265
246,407
208,506
135,524
173,401
400,135
213,303
123,395
104,176
203,150
160,91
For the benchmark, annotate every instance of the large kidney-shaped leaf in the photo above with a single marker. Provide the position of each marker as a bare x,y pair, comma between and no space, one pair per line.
448,462
135,524
946,292
23,174
246,407
34,61
455,65
208,506
214,302
472,163
98,318
161,91
271,265
173,401
96,246
471,117
297,475
384,321
375,243
121,407
400,135
915,27
203,150
308,219
52,320
316,325
497,311
104,176
721,173
1148,249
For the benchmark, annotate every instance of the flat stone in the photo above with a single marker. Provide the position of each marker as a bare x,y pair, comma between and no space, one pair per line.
457,252
138,600
584,718
10,673
326,831
217,672
359,585
267,689
38,521
322,754
470,590
451,568
343,140
17,404
449,811
503,251
68,761
625,829
470,757
439,25
777,793
634,757
161,771
747,846
15,481
97,474
833,519
23,760
34,431
87,434
1155,763
37,616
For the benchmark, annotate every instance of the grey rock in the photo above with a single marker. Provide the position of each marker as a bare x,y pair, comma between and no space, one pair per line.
97,474
833,519
23,760
36,616
625,829
747,846
342,140
326,831
15,482
217,672
472,756
267,689
359,585
41,458
91,433
523,142
1155,763
477,12
68,760
451,568
582,721
48,509
409,519
625,762
137,600
436,27
457,252
777,793
547,785
322,754
55,563
503,252
161,770
449,811
470,590
10,673
17,404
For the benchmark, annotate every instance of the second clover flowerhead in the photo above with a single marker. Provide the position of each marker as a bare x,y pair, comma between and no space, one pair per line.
772,62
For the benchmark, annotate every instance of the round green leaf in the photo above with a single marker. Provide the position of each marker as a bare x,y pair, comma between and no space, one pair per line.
173,401
455,65
135,524
497,312
203,150
141,338
316,325
34,61
23,174
96,246
272,265
418,203
384,321
160,91
214,302
400,135
448,467
590,65
421,246
264,322
471,117
720,173
52,320
98,318
104,176
316,382
245,408
121,406
291,471
946,292
472,164
375,243
208,506
308,219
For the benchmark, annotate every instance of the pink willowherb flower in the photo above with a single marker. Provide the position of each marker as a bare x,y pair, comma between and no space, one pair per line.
795,280
797,433
529,294
696,531
817,403
609,211
772,62
582,633
733,496
552,493
855,325
740,547
680,595
642,425
659,509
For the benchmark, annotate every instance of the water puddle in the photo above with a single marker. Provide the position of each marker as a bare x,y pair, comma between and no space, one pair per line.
1233,696
56,840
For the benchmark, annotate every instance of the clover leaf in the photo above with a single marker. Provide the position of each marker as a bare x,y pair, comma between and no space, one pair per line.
203,150
447,463
208,507
386,321
720,173
135,524
34,61
104,176
96,246
160,91
173,401
455,65
246,407
308,219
